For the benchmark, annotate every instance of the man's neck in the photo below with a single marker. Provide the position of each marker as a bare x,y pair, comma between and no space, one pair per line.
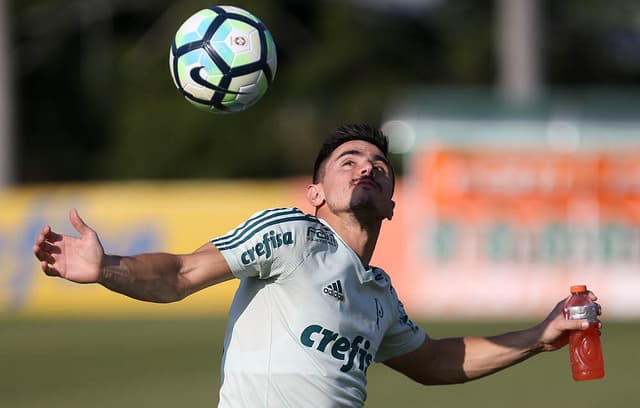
361,234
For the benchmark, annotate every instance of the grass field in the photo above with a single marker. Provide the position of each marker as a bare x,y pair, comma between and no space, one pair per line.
176,363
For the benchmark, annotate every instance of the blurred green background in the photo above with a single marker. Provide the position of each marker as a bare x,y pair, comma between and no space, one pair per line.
168,363
94,99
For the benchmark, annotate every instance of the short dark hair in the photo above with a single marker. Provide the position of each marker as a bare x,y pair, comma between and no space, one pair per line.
347,133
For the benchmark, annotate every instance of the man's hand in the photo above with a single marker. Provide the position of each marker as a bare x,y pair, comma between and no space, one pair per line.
77,259
554,330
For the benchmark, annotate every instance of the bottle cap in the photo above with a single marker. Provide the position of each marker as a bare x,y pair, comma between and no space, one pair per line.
578,288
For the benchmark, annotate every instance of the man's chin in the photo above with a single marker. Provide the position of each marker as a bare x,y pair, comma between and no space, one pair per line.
366,209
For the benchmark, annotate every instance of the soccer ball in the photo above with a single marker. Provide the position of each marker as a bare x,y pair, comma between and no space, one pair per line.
223,59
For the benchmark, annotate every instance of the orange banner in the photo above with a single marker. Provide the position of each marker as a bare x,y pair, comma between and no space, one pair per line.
505,233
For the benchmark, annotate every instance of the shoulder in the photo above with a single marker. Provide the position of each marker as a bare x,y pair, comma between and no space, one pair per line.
268,243
264,221
269,229
379,275
275,216
382,279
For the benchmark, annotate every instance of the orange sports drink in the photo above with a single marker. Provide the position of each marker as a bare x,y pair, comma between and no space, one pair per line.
585,348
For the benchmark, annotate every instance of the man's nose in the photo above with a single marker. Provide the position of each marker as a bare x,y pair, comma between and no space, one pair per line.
366,168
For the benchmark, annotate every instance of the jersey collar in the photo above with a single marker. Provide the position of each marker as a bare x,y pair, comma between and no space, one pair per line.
364,274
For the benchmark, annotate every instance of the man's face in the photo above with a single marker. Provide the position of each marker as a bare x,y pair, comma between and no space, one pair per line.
359,179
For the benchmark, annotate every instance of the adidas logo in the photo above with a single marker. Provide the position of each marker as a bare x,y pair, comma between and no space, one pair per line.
334,289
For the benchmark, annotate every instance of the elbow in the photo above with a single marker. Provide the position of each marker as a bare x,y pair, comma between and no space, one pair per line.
165,299
172,296
166,293
441,380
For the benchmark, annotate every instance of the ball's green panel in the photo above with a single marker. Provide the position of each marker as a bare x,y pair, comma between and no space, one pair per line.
201,105
236,10
195,27
240,26
202,66
197,58
237,42
271,52
250,89
218,42
224,51
222,32
262,85
249,51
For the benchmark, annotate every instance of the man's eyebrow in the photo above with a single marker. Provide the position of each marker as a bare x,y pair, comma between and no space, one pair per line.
356,152
349,152
383,159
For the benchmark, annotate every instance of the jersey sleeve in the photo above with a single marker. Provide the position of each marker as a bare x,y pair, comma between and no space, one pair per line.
402,337
266,245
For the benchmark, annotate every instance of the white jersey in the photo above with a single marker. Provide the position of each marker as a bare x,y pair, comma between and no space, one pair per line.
308,318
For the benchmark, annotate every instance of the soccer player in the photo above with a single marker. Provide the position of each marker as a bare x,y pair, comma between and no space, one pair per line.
310,314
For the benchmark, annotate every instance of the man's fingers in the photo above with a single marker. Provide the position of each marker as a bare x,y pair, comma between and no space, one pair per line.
569,324
598,308
49,270
582,324
46,234
77,222
44,256
53,237
46,252
39,253
44,231
50,248
579,324
39,240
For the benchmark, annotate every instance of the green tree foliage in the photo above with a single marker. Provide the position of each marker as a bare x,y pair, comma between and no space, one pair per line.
96,101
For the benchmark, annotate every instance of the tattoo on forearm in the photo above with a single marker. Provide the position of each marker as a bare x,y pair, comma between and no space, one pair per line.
114,277
152,278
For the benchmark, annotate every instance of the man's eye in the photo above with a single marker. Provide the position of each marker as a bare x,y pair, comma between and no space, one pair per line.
348,163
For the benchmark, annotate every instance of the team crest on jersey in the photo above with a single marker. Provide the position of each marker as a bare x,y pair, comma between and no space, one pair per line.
322,234
379,312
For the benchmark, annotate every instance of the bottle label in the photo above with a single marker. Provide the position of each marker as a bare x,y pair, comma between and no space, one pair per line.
589,312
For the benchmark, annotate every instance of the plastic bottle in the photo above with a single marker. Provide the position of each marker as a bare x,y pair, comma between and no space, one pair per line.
585,348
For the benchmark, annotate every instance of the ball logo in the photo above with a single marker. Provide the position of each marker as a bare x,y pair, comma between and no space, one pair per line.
240,41
198,79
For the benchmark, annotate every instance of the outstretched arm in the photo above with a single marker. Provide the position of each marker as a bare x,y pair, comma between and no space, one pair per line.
154,277
462,359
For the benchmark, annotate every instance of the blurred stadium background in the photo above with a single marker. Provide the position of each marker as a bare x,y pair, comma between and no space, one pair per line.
514,127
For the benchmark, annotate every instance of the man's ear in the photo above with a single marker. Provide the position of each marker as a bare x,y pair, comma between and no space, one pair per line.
389,212
315,195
